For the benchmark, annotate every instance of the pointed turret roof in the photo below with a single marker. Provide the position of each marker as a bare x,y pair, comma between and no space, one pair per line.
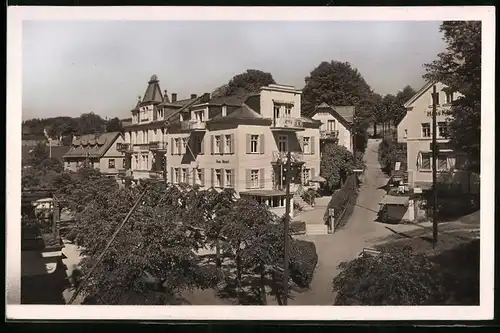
153,91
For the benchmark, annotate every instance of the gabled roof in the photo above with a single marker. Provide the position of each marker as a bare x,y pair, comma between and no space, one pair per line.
91,145
153,91
419,93
243,112
343,113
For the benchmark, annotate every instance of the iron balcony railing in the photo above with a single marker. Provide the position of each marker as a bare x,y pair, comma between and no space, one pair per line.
282,157
193,125
288,122
157,145
329,134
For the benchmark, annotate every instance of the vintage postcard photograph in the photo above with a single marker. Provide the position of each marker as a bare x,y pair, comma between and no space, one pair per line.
314,163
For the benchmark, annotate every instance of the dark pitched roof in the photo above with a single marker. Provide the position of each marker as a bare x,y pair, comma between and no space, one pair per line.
243,112
419,93
153,91
234,100
92,145
345,112
178,104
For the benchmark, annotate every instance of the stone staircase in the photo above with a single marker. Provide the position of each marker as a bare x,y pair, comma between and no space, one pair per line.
316,229
302,204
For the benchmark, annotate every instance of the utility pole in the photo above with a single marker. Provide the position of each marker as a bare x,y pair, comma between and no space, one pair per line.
288,170
434,169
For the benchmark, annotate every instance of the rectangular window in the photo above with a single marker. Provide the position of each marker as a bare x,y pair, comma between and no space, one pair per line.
307,145
111,163
228,144
442,129
406,133
277,109
305,176
199,116
283,143
254,178
217,144
199,142
442,162
199,176
228,181
449,97
288,110
426,130
177,146
218,178
254,143
426,161
330,126
177,175
184,175
184,145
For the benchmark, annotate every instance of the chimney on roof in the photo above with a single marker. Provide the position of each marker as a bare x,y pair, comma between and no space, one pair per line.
174,97
165,96
193,96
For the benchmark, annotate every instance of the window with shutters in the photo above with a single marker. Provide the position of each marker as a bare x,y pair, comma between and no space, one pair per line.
254,143
217,144
228,181
442,161
218,178
177,142
426,161
228,144
254,178
177,175
306,145
184,175
426,130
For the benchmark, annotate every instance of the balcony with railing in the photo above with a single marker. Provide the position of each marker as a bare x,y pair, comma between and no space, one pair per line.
282,157
158,146
193,125
287,123
329,134
124,147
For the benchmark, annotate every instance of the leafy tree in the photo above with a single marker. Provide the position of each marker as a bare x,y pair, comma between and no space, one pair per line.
389,152
402,97
114,125
248,82
220,91
90,123
336,164
459,67
155,251
396,277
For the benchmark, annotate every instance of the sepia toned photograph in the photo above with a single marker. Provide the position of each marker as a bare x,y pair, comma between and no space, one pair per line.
265,162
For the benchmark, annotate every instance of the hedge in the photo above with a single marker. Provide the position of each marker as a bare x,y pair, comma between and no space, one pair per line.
303,258
343,202
297,227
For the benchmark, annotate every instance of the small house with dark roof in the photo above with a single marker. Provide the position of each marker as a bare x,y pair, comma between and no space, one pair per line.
336,124
96,150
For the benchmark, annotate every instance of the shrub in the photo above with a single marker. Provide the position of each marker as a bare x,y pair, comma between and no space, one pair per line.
309,196
389,152
303,259
297,227
396,277
296,207
343,201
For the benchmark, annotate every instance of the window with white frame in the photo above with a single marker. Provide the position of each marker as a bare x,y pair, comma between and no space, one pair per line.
111,163
160,113
330,125
254,143
305,176
442,129
426,130
218,178
288,110
177,175
228,144
199,116
184,145
277,110
406,133
228,181
199,176
426,161
217,144
307,145
177,142
449,97
254,178
283,143
184,175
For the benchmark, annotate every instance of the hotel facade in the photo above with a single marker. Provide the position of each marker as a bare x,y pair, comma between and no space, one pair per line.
238,142
415,129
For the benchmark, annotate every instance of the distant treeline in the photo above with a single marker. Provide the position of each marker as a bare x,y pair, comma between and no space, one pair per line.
66,127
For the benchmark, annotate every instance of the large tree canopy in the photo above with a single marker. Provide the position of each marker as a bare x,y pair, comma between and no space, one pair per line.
459,67
337,83
248,82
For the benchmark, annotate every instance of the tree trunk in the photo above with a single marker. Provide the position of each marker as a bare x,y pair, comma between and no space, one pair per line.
218,261
374,129
263,295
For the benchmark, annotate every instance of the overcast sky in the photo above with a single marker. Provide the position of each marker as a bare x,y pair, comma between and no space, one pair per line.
75,67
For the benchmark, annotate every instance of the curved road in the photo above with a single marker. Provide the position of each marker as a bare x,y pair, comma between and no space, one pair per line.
347,243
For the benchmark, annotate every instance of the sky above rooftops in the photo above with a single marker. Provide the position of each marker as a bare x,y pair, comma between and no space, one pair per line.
72,67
